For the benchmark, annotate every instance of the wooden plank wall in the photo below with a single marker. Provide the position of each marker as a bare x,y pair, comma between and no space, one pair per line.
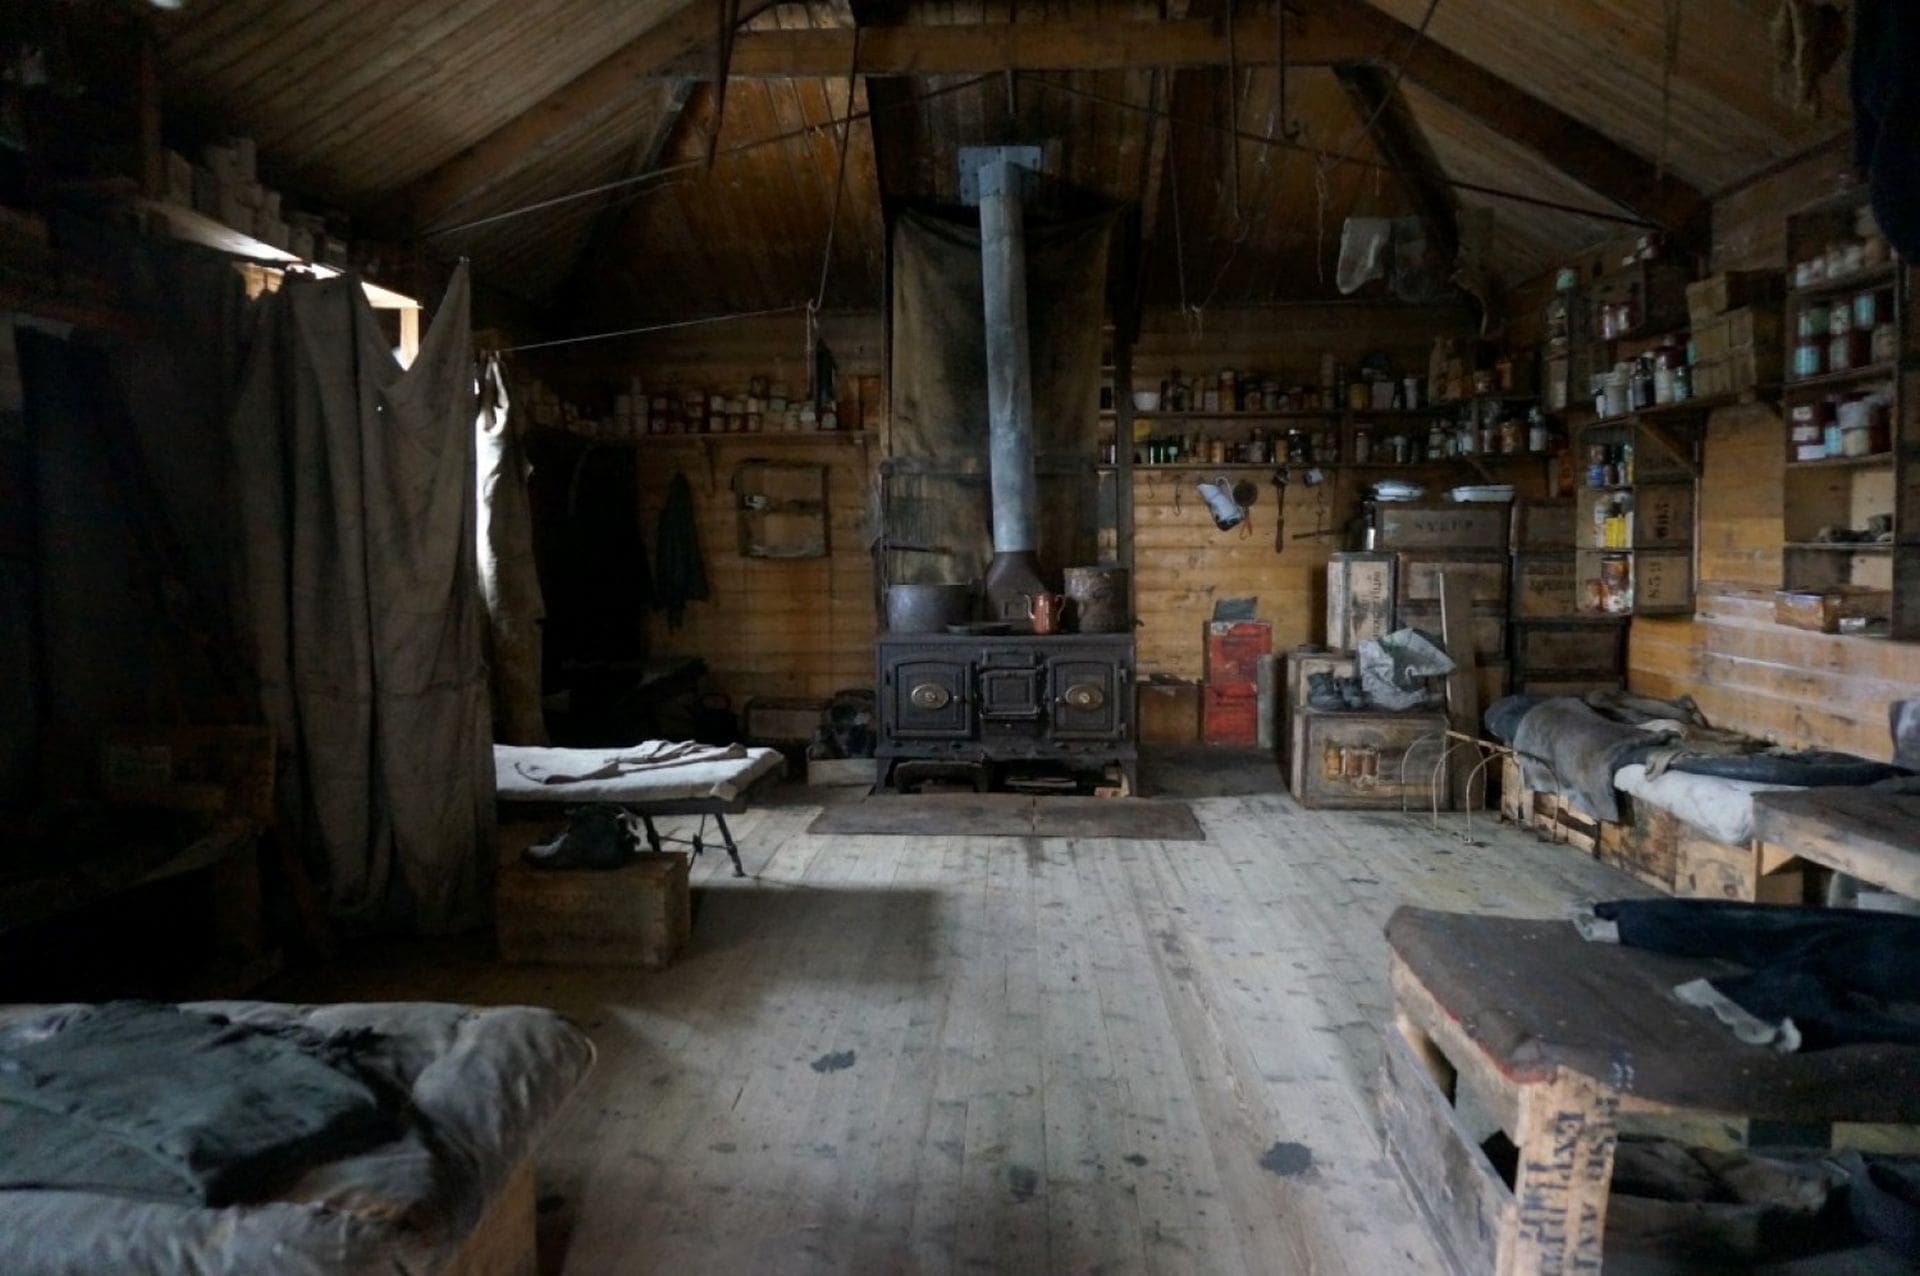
1799,688
806,628
1183,563
797,628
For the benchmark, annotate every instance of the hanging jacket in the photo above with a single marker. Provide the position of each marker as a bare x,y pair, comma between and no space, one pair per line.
1886,114
678,576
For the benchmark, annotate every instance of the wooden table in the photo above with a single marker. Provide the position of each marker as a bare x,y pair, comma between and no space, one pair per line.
1557,1038
1870,834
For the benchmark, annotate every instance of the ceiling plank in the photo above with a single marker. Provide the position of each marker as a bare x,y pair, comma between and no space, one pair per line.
1045,45
1582,152
1390,124
557,117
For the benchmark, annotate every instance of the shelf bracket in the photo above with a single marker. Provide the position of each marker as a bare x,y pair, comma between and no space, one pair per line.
1682,450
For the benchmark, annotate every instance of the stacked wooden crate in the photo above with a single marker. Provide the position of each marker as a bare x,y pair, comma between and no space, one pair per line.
1737,322
1557,649
1229,709
1462,542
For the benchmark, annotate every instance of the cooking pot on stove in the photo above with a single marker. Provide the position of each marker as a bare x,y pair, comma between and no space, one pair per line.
928,609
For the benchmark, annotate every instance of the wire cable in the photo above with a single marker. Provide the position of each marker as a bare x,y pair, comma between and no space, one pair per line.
657,327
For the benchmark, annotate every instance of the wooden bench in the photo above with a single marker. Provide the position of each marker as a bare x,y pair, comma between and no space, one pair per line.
1869,834
1556,1038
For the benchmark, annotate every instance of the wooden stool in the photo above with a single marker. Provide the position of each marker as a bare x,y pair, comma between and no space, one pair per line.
1556,1038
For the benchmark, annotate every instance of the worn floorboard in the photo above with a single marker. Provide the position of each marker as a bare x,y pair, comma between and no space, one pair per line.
1020,1054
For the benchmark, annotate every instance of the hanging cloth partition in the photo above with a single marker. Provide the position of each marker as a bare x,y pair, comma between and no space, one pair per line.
357,586
936,518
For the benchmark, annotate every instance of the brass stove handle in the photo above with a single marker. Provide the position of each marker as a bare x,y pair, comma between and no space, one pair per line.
930,696
1083,696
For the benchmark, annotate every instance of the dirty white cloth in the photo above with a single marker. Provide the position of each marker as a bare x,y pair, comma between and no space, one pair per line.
522,774
486,1085
509,577
1722,809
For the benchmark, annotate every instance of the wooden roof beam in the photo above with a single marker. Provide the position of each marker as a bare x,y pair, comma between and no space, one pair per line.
615,205
1582,152
1383,112
1046,45
562,114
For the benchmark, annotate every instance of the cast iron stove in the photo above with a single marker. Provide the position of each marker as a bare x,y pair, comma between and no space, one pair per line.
1065,699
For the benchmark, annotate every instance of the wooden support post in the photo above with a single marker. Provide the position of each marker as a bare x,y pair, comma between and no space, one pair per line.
1463,684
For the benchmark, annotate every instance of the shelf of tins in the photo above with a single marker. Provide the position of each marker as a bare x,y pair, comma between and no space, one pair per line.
1852,408
1633,524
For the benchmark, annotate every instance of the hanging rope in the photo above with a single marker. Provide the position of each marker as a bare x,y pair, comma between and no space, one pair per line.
1291,129
1233,110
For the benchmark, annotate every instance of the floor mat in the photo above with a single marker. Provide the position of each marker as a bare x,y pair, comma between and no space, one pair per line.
1012,815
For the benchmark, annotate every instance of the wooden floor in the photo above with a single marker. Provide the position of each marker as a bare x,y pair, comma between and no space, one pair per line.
885,1054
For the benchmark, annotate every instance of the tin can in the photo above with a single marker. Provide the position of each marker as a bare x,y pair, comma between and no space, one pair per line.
1809,357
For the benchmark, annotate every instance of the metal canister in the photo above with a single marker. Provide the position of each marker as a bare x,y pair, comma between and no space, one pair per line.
1099,598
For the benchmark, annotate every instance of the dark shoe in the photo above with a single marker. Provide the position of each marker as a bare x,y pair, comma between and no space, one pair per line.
1324,693
597,838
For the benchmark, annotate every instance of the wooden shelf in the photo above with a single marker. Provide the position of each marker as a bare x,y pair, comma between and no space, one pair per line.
1881,277
1330,465
1295,414
1843,547
1884,371
1688,409
777,437
1873,460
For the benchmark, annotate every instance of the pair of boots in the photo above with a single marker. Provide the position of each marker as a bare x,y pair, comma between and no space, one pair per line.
1340,695
598,837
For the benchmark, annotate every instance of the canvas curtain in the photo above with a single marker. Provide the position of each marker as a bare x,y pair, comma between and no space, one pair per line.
936,512
358,593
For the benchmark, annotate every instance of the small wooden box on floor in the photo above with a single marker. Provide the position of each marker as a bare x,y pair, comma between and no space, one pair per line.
637,915
1357,761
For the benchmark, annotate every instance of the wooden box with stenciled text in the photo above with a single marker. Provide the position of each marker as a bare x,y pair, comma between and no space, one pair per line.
1358,761
1360,590
1408,525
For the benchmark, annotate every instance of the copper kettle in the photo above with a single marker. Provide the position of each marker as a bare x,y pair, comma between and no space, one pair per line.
1046,611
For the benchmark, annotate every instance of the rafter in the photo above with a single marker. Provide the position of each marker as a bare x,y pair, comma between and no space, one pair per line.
1580,151
598,241
1383,112
1044,45
560,116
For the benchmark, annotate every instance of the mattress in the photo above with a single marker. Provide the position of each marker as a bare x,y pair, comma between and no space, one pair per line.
1721,809
485,1083
521,771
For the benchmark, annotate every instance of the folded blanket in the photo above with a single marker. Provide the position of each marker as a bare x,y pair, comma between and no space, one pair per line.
1565,746
151,1101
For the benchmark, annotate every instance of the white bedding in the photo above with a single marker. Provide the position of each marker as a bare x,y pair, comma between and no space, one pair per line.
1722,809
519,772
485,1082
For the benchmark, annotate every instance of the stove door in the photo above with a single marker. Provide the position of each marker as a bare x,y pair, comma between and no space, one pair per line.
1013,695
929,699
1087,698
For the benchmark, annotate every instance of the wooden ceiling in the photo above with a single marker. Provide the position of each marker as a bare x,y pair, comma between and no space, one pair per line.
441,120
